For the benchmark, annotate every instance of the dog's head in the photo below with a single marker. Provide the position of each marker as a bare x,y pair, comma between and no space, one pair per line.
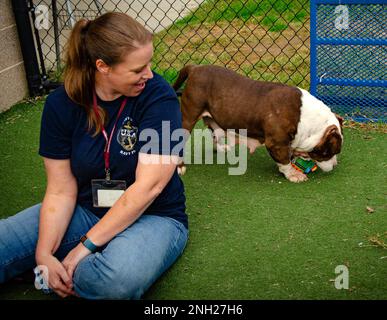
324,153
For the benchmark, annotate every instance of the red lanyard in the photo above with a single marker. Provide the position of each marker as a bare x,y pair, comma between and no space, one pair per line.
106,152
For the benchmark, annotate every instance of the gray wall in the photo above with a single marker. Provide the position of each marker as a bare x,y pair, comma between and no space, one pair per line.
13,84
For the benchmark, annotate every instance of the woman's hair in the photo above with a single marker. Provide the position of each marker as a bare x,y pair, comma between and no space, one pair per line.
109,37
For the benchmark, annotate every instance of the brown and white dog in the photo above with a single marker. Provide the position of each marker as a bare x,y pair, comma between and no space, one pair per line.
289,121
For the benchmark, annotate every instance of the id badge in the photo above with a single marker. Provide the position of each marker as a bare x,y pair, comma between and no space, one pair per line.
106,192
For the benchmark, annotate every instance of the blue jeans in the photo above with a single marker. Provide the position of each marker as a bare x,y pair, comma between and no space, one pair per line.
124,269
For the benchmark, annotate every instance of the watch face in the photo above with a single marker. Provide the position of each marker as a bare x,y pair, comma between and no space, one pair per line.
83,238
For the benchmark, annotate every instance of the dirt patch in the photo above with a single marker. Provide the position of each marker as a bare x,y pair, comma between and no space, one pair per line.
245,47
366,126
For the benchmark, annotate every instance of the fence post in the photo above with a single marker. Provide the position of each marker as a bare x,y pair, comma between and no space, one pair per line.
20,9
56,33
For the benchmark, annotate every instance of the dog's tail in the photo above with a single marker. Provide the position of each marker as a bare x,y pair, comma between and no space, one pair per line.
183,75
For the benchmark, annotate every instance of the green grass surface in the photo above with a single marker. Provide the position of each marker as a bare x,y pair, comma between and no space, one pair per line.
254,236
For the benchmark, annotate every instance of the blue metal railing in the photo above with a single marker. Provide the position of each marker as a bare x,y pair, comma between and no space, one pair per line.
349,64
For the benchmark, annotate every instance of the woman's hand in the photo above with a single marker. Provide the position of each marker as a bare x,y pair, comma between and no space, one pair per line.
74,257
58,278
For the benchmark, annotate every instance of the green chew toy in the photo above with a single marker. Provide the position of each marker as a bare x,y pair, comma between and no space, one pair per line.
305,166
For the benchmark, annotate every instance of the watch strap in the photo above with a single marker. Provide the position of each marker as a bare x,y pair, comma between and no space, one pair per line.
89,244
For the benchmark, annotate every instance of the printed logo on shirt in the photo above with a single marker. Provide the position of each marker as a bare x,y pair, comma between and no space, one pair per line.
127,136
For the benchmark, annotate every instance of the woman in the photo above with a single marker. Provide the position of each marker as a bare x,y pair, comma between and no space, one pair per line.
97,237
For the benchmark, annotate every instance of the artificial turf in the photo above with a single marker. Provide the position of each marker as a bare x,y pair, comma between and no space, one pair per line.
252,236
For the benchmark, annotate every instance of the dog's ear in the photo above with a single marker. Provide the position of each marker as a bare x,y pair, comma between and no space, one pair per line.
329,145
332,139
341,121
331,130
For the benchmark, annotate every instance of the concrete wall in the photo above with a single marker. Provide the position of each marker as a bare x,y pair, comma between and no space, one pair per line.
13,83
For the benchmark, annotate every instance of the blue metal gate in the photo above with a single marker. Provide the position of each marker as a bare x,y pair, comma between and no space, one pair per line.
349,57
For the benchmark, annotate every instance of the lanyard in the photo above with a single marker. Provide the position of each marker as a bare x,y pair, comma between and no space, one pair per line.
106,152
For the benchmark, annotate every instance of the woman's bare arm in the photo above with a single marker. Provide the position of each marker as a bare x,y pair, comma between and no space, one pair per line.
55,215
153,172
58,205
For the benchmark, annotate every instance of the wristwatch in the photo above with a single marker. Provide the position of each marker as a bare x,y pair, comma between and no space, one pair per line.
88,244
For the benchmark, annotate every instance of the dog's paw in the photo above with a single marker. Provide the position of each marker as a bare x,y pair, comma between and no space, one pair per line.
292,174
181,170
296,176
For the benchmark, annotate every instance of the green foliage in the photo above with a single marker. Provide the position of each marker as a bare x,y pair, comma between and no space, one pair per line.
276,15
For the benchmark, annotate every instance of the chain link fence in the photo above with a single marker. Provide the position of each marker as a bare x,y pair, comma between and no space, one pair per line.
265,40
349,57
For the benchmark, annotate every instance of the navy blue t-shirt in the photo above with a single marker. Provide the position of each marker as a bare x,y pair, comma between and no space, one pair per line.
64,135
